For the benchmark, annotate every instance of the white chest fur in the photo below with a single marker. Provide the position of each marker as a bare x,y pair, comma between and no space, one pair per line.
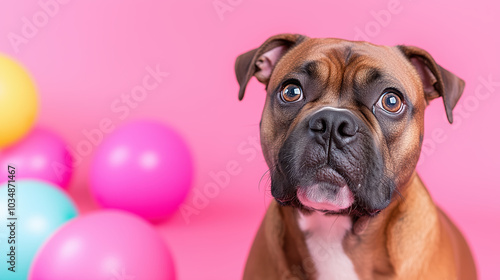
324,235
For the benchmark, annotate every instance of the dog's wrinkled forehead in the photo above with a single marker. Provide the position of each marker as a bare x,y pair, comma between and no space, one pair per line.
339,66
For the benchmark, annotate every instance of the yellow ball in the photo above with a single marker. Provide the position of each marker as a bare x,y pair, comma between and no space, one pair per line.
18,101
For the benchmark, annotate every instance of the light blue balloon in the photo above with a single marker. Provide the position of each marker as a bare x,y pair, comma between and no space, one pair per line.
41,209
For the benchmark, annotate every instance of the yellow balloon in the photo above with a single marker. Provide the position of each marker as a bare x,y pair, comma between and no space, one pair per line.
18,101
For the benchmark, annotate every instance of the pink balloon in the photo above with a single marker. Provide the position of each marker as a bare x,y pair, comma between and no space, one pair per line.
104,245
143,167
42,155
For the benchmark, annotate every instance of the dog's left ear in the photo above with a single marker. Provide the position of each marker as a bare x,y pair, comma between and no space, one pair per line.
260,62
436,80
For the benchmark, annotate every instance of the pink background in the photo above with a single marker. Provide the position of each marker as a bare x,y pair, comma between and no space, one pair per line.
89,53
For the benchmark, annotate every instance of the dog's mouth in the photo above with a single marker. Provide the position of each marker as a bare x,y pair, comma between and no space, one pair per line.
325,198
344,203
327,193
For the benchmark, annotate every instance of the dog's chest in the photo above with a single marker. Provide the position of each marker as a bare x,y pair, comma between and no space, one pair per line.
324,235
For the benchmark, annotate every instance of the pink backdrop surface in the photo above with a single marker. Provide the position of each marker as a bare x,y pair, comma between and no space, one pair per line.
87,56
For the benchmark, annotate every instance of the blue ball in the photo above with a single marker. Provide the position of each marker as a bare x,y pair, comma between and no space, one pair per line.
40,209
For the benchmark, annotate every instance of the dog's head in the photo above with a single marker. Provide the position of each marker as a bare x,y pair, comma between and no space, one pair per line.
343,121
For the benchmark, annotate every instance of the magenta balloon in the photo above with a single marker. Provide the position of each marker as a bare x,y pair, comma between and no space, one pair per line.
42,155
143,167
104,245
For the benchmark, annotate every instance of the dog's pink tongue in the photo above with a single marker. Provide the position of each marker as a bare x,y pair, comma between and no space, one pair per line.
319,198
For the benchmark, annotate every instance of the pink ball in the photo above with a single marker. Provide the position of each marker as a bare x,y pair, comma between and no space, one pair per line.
42,155
143,167
104,245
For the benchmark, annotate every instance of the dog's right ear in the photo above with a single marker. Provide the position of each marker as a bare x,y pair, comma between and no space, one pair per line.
260,62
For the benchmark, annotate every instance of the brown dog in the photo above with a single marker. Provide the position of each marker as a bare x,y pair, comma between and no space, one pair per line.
342,131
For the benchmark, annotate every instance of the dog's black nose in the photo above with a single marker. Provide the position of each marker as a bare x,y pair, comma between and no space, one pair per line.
339,125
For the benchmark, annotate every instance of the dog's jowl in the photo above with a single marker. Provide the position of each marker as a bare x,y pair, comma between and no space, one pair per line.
341,132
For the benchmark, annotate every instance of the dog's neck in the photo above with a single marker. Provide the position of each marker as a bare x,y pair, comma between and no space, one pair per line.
337,245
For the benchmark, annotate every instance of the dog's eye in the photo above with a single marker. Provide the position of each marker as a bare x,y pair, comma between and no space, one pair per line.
291,93
391,102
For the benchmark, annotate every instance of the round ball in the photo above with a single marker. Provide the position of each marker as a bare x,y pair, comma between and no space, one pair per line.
18,101
104,245
143,167
41,209
52,163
